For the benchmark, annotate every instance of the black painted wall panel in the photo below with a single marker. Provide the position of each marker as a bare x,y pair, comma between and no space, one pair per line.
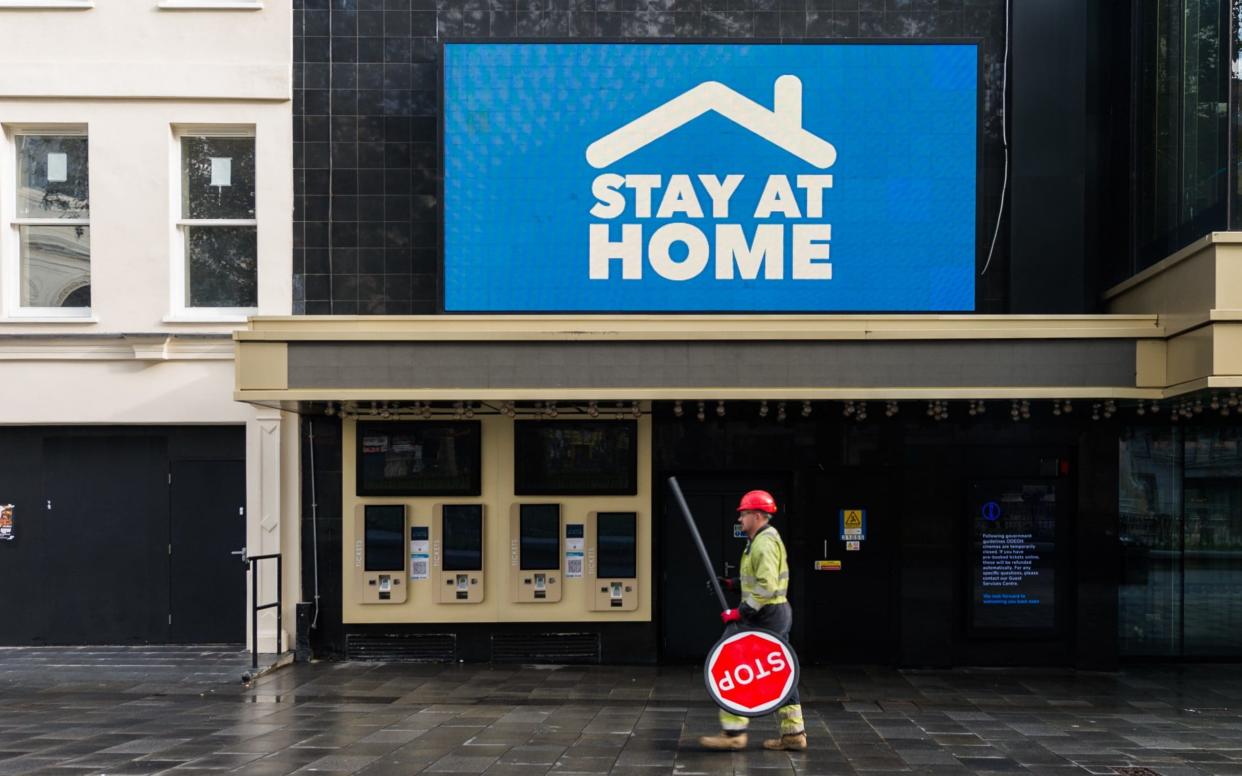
1048,173
109,520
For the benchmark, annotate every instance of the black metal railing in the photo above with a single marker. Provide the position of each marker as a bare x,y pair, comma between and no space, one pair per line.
255,607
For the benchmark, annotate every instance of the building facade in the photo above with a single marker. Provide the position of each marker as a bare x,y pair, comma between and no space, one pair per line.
146,193
1042,469
957,281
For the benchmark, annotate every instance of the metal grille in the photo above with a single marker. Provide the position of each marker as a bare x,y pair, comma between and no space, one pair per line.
545,648
402,647
1135,770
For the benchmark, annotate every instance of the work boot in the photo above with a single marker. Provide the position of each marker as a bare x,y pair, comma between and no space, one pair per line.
724,741
795,742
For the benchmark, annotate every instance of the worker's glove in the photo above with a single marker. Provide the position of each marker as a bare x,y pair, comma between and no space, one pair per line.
730,615
728,583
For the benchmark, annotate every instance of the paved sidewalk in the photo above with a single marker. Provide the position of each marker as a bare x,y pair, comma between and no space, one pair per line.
380,719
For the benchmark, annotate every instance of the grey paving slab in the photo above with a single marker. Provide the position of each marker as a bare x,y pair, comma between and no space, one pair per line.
177,712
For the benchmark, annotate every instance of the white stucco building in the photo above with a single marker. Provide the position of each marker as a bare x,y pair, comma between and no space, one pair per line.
146,200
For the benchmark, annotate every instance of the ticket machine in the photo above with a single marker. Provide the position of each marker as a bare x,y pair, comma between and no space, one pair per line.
457,556
535,553
380,557
612,561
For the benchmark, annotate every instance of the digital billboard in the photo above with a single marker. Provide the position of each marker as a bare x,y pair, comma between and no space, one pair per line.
662,177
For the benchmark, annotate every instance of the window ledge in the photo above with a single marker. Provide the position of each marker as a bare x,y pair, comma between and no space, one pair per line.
196,317
207,5
47,4
20,319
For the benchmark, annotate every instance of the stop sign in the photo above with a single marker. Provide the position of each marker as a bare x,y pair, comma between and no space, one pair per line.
750,672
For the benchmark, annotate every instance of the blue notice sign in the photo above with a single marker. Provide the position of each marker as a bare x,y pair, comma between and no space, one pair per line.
649,177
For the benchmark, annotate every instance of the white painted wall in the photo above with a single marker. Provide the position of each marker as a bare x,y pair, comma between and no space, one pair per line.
132,72
119,392
133,48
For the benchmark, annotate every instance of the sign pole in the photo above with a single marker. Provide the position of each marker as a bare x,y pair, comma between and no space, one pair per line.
698,542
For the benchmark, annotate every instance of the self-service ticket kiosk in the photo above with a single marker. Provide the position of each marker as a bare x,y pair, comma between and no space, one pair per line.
612,561
535,553
457,558
380,554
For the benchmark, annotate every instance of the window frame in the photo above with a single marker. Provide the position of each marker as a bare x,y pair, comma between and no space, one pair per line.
11,280
210,5
179,307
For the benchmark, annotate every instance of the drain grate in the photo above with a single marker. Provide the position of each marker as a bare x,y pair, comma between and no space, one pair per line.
1135,770
402,647
545,648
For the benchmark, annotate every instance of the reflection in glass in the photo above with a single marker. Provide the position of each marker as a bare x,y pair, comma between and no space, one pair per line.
222,263
52,180
539,527
413,458
1181,125
1150,593
217,177
55,266
575,456
384,537
463,537
1203,110
1213,543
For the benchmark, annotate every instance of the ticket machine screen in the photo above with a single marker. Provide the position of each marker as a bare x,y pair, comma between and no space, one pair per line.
385,537
463,537
616,539
540,527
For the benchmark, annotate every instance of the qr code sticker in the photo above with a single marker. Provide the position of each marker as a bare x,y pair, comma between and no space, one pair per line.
574,567
418,568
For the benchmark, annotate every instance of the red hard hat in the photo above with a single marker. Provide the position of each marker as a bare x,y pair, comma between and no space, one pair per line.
758,500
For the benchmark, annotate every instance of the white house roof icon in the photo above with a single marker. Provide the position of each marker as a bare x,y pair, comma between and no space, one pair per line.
781,126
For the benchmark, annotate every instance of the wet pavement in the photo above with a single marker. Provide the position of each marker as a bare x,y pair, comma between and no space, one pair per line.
58,717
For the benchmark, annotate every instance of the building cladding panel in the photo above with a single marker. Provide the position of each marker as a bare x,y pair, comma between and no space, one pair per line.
573,365
366,107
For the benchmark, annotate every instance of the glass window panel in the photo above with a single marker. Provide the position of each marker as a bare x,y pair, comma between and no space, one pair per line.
1181,125
1204,111
221,266
217,177
55,266
1213,543
52,177
1150,593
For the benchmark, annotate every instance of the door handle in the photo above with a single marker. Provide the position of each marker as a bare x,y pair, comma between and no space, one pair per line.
242,553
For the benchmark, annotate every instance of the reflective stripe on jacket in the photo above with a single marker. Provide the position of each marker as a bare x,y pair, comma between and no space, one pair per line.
765,570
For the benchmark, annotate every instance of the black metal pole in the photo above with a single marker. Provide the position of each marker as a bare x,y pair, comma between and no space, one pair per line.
254,614
698,542
280,633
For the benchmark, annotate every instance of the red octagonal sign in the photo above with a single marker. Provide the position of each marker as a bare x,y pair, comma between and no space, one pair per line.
751,672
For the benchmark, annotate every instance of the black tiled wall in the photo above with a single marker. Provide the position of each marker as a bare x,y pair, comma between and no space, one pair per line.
365,111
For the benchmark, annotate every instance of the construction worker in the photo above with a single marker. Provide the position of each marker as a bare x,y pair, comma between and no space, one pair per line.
764,580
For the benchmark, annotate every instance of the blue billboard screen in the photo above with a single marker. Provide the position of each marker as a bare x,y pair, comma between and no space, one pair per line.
594,177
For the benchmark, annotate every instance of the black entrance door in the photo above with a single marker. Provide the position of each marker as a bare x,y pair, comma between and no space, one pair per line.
107,539
207,525
691,614
850,615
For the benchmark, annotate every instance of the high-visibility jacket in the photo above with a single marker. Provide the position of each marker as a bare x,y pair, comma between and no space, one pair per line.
764,573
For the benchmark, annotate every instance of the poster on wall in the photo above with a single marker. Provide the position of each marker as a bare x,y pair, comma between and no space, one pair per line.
1013,556
648,177
6,523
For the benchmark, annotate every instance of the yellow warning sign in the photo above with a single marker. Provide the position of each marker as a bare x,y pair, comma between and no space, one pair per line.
827,565
853,519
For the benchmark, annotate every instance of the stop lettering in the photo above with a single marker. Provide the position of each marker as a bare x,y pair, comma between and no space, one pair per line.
751,672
